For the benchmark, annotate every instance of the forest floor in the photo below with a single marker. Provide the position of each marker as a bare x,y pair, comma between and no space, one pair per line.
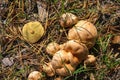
18,58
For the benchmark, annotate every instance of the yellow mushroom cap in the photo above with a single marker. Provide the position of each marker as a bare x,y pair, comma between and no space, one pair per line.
32,31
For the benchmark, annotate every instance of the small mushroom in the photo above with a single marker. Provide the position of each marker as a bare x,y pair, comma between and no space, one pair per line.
32,31
116,39
48,68
68,20
84,32
35,75
90,60
52,48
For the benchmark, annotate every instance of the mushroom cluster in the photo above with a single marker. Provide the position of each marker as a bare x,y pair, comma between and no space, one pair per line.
67,56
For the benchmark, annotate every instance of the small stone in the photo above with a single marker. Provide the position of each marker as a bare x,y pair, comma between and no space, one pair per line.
8,61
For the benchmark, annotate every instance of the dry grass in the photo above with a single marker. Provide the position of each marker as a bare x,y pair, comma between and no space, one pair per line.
28,57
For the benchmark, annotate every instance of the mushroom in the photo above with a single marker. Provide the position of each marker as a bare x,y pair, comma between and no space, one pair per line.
68,20
48,68
75,61
90,60
116,39
68,57
64,62
75,47
52,48
35,75
58,78
60,58
32,31
78,50
84,32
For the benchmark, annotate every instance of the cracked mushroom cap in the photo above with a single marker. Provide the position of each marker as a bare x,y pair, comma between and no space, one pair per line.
75,47
60,58
58,78
35,75
90,60
84,32
32,31
52,48
68,20
66,70
78,50
75,61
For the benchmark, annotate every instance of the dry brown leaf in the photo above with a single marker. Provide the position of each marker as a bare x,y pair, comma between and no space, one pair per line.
8,61
42,12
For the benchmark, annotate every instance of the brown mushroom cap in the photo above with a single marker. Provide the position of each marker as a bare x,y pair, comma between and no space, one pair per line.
75,61
35,75
90,60
32,31
48,68
68,19
84,32
60,58
52,48
78,50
